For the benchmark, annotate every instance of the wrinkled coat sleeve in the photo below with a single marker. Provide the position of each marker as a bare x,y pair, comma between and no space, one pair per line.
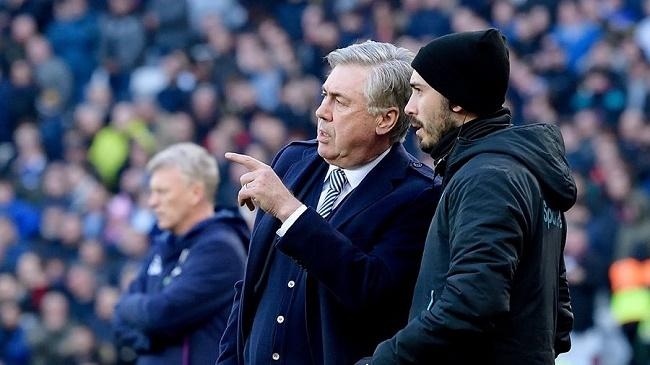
228,346
127,335
486,217
204,285
362,276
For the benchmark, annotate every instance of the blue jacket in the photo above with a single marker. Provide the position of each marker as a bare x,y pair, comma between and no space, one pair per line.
177,307
361,264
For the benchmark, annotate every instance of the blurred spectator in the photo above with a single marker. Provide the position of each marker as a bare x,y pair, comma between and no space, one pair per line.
242,98
51,331
287,13
80,347
599,90
174,128
574,32
253,59
11,246
100,322
279,47
550,62
430,18
167,22
31,276
353,25
111,146
642,31
98,93
638,85
586,274
41,10
10,289
122,44
634,133
88,119
70,237
384,22
299,95
216,55
174,96
30,160
231,13
7,125
81,283
319,37
24,215
74,36
23,28
22,93
94,256
633,239
270,132
51,73
14,348
204,110
631,303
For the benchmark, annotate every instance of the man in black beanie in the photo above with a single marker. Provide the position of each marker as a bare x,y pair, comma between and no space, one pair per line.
492,285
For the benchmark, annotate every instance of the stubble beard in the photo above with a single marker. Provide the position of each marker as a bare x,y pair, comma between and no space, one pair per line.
437,131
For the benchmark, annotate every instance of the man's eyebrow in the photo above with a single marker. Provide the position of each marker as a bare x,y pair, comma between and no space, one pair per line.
334,93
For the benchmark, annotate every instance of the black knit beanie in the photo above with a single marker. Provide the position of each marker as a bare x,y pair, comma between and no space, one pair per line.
471,69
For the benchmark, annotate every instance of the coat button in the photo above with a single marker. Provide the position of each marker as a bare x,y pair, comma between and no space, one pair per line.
291,284
417,164
280,319
275,356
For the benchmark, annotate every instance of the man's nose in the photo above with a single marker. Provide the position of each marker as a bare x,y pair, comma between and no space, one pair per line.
409,109
323,111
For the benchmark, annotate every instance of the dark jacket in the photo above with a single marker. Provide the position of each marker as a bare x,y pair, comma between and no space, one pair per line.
177,307
492,286
361,265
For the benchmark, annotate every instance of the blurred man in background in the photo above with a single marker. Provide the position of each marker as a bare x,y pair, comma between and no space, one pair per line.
175,310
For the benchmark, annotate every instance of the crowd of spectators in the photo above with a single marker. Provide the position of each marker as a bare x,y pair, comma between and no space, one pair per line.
90,89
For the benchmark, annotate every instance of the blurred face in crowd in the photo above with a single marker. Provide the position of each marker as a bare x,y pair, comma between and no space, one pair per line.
348,135
172,198
54,310
432,117
9,315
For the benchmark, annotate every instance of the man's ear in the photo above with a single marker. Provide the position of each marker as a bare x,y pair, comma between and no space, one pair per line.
386,121
197,191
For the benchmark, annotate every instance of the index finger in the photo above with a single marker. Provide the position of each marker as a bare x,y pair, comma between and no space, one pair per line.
245,160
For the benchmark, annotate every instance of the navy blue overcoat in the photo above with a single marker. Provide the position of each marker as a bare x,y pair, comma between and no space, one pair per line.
361,265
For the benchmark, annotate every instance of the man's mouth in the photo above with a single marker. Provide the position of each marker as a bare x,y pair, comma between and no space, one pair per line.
322,135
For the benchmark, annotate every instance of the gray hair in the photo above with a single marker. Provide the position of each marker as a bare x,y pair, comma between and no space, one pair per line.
388,82
195,163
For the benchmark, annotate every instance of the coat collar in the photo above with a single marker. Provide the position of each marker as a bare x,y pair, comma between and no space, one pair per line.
376,184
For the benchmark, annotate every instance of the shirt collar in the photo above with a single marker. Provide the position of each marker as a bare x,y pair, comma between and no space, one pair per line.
357,174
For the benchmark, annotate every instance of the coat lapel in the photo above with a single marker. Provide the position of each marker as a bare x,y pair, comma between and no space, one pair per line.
378,183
